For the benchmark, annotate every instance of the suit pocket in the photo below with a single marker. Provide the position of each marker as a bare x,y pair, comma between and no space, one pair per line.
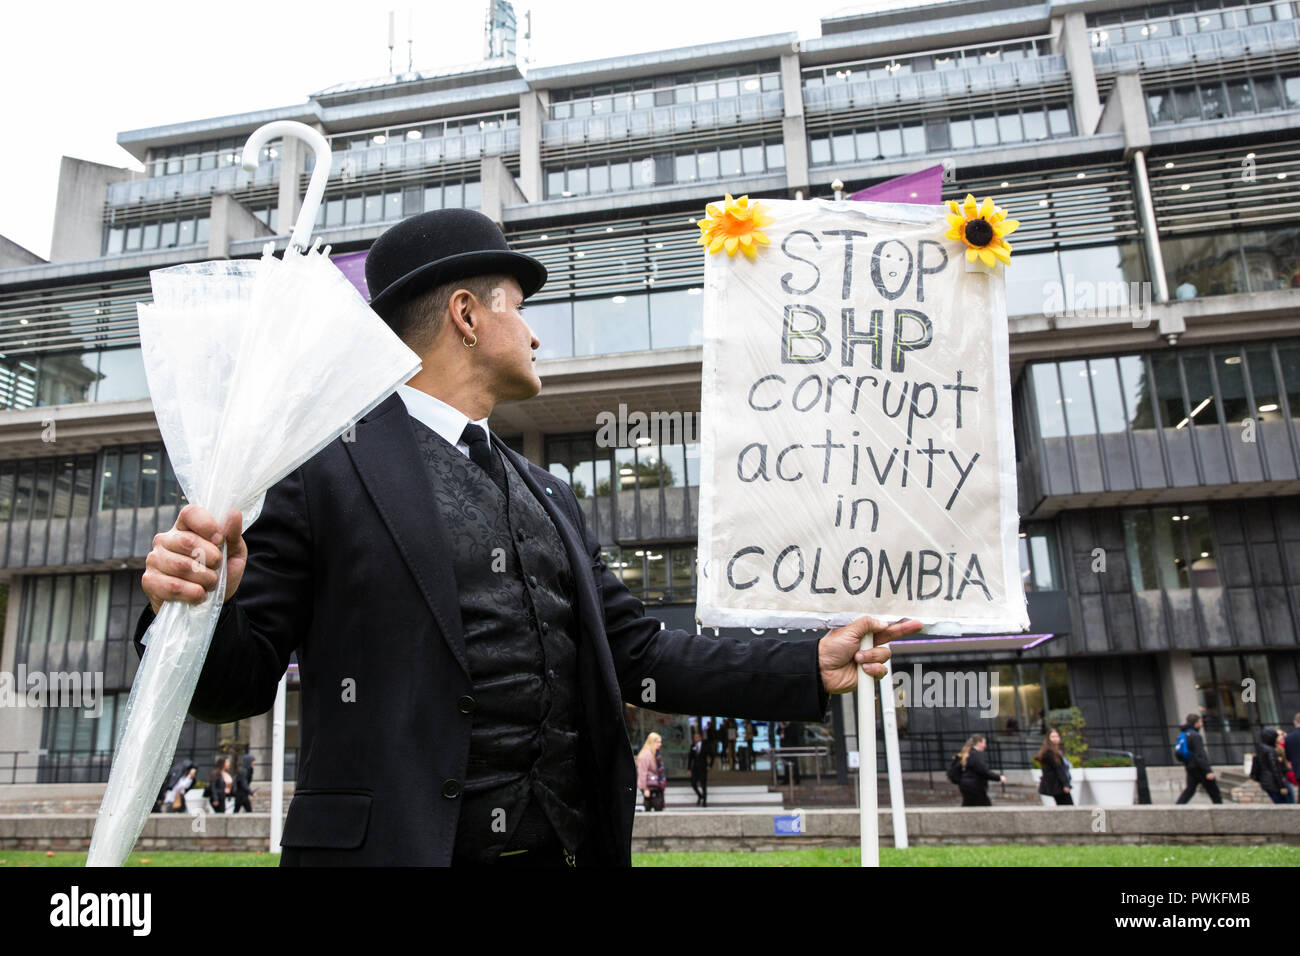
329,819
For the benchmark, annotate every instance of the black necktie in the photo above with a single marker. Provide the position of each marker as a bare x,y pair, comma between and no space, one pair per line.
481,453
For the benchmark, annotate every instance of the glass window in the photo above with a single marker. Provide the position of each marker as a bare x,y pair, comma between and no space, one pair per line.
1035,123
1058,120
133,238
185,233
914,139
128,480
1213,101
729,162
986,130
961,133
1009,130
1154,554
168,237
552,323
115,240
775,155
43,491
1200,547
392,206
616,323
751,158
819,151
676,318
150,238
1075,382
38,624
620,175
1289,359
891,142
1047,395
684,168
707,163
121,376
473,197
149,478
1263,382
1200,390
1034,283
1107,395
62,505
108,481
453,194
201,226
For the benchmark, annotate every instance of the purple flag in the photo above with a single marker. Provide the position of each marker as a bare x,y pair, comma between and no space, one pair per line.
924,186
353,266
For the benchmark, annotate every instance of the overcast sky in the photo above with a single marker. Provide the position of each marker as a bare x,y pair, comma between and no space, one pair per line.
75,74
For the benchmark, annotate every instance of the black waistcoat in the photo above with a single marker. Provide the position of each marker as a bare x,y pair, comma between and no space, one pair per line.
515,585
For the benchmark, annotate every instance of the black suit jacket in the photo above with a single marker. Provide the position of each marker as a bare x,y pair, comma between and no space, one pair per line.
348,565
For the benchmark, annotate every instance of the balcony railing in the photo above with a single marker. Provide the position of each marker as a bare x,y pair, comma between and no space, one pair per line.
1264,38
1034,72
661,120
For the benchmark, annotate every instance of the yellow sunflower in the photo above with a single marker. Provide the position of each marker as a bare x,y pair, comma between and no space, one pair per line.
737,224
983,228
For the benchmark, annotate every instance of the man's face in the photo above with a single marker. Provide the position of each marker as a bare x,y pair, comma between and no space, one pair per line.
506,344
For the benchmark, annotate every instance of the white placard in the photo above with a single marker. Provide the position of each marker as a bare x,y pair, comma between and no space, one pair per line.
856,443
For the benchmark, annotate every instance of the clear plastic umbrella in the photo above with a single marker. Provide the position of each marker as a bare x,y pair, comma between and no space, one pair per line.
253,367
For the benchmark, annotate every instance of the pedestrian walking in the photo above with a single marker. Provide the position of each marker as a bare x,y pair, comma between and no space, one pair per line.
975,775
243,785
1267,768
1191,750
1055,781
731,735
218,788
174,798
651,778
697,762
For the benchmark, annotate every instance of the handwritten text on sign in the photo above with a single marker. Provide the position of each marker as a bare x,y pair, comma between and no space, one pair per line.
854,461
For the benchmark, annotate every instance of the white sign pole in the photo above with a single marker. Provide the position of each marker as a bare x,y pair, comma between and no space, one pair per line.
868,820
277,763
893,763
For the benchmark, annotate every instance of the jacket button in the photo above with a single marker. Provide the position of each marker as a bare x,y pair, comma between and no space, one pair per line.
466,704
532,579
520,535
545,627
451,788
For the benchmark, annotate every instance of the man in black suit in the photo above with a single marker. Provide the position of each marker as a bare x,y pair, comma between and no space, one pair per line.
464,652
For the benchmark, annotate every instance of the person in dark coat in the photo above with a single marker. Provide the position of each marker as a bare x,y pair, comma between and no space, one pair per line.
975,775
457,708
1200,773
217,790
1268,770
697,761
1055,781
243,785
791,736
1291,746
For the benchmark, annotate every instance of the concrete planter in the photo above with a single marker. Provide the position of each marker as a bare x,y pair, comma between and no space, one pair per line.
1098,786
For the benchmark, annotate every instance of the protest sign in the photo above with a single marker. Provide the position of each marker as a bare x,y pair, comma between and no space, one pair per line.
856,440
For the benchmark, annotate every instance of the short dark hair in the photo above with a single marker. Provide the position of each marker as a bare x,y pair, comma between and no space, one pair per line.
418,321
1192,719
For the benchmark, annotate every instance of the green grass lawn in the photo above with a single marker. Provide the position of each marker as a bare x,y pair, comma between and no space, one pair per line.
1272,855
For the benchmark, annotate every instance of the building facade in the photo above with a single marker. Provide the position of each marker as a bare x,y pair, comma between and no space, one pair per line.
1149,151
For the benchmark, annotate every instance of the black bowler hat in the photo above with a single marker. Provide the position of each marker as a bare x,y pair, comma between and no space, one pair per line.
431,248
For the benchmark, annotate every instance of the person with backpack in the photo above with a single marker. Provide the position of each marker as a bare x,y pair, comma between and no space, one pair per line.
1191,750
1267,770
974,773
1055,781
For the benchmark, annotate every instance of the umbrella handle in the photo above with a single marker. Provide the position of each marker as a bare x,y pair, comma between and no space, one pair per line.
320,173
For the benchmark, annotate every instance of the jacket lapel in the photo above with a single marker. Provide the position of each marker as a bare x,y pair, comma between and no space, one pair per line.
388,460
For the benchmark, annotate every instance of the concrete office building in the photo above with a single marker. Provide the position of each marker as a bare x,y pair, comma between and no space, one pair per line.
1149,151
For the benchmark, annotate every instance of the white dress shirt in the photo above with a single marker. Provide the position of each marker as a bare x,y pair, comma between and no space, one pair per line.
441,417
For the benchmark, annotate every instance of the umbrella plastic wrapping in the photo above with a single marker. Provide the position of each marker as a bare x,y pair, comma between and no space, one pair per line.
846,469
253,367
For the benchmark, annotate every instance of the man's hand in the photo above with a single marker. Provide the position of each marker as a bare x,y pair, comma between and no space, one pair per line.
184,562
839,656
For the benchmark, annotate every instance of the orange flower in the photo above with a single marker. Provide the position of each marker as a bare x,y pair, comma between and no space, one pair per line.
983,228
737,224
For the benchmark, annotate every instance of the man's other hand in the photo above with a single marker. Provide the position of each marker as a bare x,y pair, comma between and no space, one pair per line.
839,653
184,562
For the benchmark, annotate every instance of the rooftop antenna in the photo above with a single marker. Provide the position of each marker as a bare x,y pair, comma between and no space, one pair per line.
410,40
391,30
528,36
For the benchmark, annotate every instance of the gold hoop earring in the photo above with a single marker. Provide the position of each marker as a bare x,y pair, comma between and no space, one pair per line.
469,345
